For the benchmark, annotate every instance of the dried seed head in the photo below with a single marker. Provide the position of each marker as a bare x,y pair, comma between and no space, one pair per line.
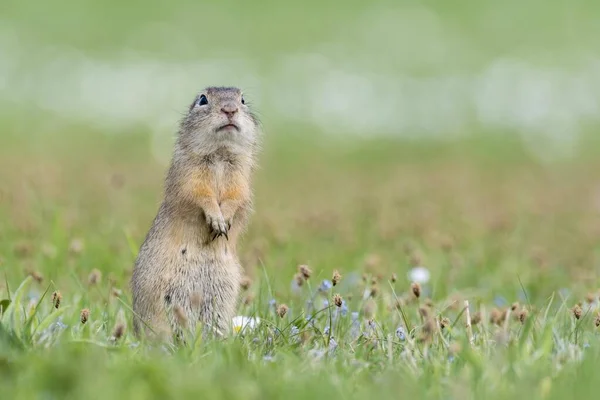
424,311
196,300
337,300
119,331
248,299
56,298
495,316
444,323
428,330
374,290
299,279
305,271
394,277
245,283
577,311
115,292
38,277
416,289
94,277
597,320
591,297
476,318
523,315
336,277
514,306
180,315
398,303
416,259
282,310
428,302
85,315
374,280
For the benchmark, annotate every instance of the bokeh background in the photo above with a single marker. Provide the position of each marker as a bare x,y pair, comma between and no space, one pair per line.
453,143
396,68
457,135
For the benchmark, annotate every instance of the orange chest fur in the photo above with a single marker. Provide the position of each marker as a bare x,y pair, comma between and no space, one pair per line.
218,183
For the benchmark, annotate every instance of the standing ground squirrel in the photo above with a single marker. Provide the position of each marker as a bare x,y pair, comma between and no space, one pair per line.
187,269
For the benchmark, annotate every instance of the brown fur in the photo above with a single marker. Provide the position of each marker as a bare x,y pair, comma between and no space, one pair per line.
188,261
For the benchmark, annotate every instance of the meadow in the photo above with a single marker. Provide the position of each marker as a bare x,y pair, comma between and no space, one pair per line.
427,203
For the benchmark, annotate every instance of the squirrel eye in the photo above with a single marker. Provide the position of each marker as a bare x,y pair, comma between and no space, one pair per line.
202,100
243,101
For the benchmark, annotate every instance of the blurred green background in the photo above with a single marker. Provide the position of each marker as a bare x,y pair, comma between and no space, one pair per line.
386,123
395,68
456,135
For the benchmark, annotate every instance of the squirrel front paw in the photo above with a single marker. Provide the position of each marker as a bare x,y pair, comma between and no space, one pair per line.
218,225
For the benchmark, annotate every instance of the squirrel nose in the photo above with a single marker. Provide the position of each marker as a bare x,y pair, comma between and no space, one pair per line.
229,109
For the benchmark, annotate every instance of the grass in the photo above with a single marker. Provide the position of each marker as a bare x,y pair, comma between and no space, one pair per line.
456,137
489,231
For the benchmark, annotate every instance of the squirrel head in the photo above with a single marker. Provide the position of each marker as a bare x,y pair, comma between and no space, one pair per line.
219,117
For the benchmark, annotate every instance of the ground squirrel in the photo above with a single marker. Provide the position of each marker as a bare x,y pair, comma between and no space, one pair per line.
187,269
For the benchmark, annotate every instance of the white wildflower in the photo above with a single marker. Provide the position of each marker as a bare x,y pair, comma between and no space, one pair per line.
419,275
241,322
